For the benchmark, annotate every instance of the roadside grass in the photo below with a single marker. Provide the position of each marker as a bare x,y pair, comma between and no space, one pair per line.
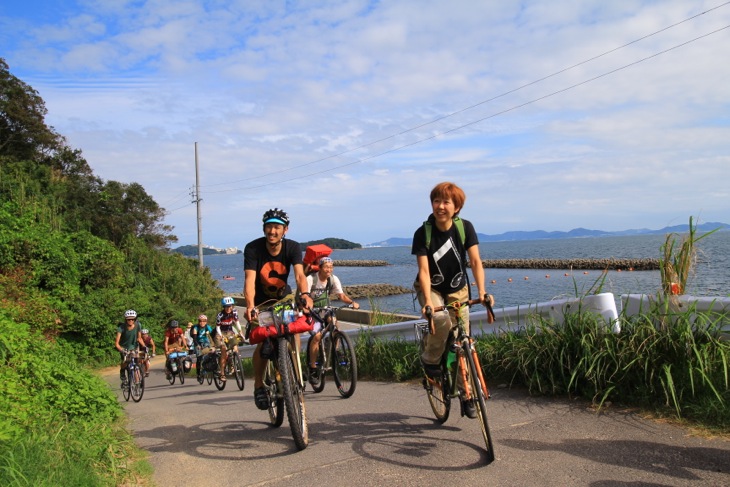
61,424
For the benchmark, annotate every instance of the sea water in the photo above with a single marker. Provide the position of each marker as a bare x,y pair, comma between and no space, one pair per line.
513,287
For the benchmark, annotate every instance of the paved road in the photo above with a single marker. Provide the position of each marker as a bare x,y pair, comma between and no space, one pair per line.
385,435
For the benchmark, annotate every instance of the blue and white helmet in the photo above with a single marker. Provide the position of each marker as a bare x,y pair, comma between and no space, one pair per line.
227,301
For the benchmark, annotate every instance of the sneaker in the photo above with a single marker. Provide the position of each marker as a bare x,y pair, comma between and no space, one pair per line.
314,376
469,410
261,398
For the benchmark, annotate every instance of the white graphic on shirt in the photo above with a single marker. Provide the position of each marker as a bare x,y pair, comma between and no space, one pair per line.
442,252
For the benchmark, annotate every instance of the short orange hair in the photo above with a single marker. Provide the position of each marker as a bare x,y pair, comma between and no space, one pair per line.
447,190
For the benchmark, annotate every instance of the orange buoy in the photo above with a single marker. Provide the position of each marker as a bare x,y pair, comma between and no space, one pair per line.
509,280
526,278
566,274
585,272
547,276
493,281
631,269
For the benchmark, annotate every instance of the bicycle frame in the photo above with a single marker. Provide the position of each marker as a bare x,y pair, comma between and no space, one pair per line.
285,383
465,380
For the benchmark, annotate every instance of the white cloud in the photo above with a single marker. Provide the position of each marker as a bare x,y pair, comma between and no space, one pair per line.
285,99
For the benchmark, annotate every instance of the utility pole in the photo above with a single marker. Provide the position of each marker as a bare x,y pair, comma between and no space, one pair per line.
197,203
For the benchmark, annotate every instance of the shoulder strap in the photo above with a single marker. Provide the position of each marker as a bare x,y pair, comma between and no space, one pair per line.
458,222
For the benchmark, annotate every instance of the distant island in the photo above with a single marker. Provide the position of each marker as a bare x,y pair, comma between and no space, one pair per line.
575,233
333,243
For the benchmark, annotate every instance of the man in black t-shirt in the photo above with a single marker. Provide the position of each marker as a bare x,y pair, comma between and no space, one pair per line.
267,262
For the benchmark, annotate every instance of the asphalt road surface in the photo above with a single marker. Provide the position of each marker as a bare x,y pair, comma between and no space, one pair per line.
385,434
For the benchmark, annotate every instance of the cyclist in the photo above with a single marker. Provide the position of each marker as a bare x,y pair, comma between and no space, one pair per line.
267,262
226,326
129,335
174,341
201,339
441,246
148,343
323,284
189,337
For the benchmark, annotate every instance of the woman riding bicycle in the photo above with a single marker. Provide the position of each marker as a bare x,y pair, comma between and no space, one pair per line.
323,284
149,348
441,246
226,326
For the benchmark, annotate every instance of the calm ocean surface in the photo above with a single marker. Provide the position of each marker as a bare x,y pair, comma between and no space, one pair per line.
711,276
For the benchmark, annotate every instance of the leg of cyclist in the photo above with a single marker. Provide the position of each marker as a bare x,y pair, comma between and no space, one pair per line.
224,357
435,343
315,338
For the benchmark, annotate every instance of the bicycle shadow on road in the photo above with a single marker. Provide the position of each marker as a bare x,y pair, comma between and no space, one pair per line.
656,458
406,441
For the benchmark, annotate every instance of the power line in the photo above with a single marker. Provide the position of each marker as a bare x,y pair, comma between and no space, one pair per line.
502,112
457,112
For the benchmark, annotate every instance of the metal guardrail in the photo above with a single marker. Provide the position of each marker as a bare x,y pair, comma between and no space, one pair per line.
512,318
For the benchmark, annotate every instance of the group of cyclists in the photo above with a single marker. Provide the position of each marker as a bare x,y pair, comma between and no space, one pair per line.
442,245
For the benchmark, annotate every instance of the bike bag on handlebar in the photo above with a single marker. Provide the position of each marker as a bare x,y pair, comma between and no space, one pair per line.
266,329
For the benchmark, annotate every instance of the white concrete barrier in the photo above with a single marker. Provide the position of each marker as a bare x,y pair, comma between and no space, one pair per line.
513,318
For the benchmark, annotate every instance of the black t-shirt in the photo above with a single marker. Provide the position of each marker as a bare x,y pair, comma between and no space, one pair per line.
446,255
272,272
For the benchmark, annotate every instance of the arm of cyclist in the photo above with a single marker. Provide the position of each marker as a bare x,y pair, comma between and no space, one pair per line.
303,286
116,342
424,280
249,293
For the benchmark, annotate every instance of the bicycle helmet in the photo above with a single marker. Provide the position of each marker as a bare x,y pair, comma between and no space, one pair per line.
276,216
202,318
172,324
145,331
227,301
130,313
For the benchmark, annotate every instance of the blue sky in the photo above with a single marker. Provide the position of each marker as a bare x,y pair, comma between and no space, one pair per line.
550,115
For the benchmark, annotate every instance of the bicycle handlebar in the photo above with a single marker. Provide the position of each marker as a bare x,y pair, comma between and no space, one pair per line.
456,305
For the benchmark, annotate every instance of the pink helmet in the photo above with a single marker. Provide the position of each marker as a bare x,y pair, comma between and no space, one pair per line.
202,318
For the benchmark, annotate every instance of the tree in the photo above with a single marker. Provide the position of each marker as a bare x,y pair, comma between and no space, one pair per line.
24,134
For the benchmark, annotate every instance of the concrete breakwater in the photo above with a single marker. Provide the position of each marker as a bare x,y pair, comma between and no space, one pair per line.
360,291
600,264
360,263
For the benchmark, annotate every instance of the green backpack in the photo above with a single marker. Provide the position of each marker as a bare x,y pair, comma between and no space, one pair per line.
428,228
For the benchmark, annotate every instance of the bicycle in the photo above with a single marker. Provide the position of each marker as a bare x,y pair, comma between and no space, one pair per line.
283,377
133,382
446,385
335,354
210,366
234,364
175,365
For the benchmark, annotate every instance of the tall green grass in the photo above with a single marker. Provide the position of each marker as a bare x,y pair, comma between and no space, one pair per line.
679,371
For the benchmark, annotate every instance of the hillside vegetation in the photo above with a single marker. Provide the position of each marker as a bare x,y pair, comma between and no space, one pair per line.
75,252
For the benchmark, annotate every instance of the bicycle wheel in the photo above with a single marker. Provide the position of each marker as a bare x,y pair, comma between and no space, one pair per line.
320,373
293,395
238,370
170,374
479,398
437,391
273,388
126,388
137,384
219,384
344,364
181,370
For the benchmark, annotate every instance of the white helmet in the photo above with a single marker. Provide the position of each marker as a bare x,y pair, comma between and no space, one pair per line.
130,313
